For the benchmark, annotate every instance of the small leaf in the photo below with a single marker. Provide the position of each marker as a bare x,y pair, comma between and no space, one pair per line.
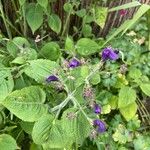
126,96
50,51
135,73
95,79
81,13
34,16
69,45
129,111
27,103
87,47
101,16
87,30
7,142
54,23
145,87
43,3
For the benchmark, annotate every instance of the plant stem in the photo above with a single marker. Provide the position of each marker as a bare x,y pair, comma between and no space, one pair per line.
4,19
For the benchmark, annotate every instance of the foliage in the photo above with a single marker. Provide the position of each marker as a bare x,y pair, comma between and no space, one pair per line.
70,89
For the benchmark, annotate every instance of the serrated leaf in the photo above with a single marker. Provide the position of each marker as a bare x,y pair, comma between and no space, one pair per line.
43,3
129,111
135,73
27,103
7,142
126,96
40,69
34,16
145,87
17,45
6,83
101,16
54,23
41,129
87,47
50,51
95,79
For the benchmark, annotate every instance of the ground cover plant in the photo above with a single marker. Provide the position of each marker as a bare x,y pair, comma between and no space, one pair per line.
74,76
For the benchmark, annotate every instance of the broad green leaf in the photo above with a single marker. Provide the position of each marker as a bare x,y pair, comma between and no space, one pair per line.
7,142
40,69
17,46
135,73
54,23
141,11
129,111
6,83
101,16
22,2
126,96
43,3
106,109
34,16
27,103
126,6
87,47
50,51
41,129
113,102
145,87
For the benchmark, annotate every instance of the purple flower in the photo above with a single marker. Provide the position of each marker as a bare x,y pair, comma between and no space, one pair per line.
109,53
123,12
97,109
51,78
100,125
74,63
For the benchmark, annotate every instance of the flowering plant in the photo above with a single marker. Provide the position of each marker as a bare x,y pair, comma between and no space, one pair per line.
64,90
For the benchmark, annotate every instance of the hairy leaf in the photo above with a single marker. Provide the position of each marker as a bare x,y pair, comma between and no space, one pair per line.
27,103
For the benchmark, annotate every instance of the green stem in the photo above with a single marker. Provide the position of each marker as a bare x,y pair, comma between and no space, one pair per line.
4,19
24,21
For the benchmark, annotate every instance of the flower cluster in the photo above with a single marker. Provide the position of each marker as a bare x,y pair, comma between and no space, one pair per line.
100,125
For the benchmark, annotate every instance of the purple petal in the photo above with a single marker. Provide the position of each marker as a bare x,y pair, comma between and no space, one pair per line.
113,55
51,78
74,63
101,127
97,109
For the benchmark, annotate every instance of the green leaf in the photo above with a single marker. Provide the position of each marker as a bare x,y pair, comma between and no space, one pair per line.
101,16
27,126
87,30
69,45
50,51
126,96
135,73
6,83
34,146
81,13
34,16
87,47
40,69
129,111
125,6
17,45
43,3
54,23
22,2
27,103
145,87
68,7
7,142
95,79
41,129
